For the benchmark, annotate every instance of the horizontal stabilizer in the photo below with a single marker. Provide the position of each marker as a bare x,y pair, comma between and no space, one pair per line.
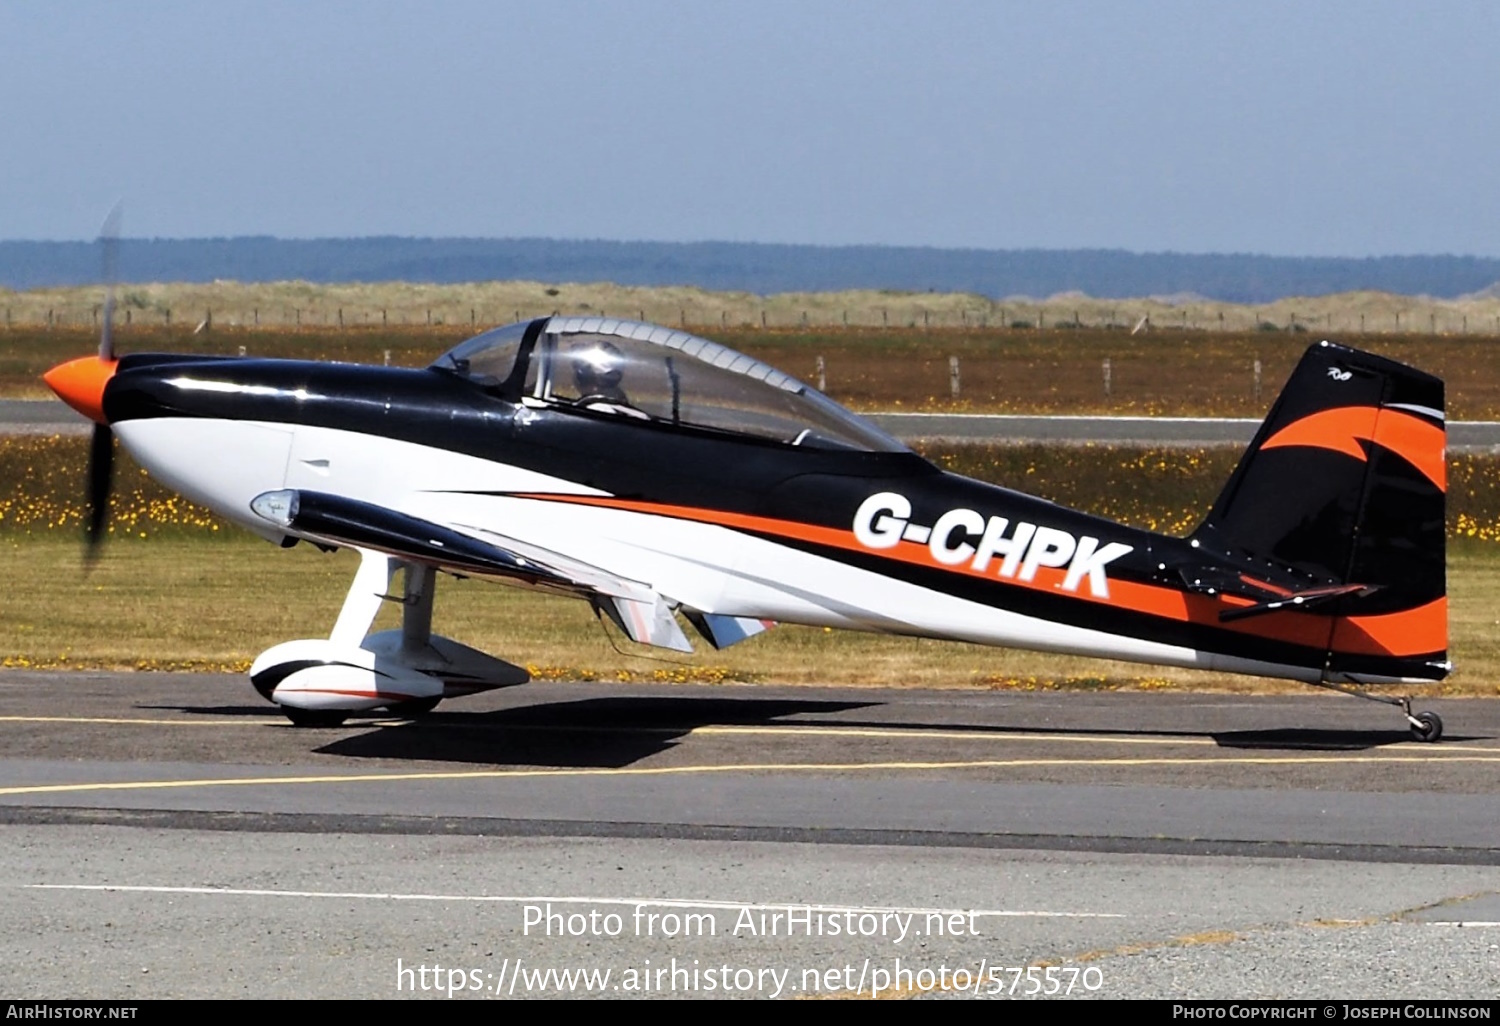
1302,600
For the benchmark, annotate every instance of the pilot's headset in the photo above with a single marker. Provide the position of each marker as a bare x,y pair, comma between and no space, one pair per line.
598,368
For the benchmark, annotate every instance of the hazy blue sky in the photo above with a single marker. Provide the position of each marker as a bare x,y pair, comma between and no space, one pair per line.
1352,128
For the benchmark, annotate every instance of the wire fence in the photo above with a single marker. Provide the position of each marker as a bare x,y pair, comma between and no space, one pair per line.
1415,316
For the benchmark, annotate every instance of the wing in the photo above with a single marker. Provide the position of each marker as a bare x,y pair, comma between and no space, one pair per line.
638,609
1268,597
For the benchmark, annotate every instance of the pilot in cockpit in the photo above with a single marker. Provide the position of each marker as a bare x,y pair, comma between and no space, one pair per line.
598,369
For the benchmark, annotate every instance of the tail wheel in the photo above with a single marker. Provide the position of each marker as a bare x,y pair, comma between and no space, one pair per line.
1428,726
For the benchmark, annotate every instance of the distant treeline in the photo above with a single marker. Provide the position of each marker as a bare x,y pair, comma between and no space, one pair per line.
751,267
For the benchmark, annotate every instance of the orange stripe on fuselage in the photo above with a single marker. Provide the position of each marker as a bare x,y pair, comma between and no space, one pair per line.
1397,634
1410,631
1413,439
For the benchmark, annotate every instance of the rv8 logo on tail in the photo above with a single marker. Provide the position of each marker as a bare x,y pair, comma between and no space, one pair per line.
964,536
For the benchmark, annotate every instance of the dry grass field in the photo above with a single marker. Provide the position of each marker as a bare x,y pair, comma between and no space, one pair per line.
395,304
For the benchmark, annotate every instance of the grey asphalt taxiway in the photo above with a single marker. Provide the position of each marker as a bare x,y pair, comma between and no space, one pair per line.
172,835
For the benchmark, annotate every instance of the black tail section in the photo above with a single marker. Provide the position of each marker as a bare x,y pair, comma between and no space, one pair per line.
1345,483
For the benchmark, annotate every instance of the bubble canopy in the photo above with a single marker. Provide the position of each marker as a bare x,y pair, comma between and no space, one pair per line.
642,372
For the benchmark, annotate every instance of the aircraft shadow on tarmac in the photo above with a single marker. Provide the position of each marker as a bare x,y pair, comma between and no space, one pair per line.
613,732
1289,738
597,732
1310,739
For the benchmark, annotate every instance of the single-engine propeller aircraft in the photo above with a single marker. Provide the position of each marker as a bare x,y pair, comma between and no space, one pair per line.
652,472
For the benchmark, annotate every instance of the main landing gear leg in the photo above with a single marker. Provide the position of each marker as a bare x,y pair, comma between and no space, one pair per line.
419,587
1425,726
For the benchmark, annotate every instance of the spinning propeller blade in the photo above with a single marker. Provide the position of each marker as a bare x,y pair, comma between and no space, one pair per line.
109,240
102,444
101,476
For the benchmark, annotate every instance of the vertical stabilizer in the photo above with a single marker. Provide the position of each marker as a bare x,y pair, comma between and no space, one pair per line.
1346,482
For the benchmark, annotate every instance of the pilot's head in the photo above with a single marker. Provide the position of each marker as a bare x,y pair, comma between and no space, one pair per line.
598,368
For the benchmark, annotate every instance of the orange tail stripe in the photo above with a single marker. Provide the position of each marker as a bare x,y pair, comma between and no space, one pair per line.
1338,429
1418,442
1415,440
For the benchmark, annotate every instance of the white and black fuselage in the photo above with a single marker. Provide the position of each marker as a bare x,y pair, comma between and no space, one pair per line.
732,513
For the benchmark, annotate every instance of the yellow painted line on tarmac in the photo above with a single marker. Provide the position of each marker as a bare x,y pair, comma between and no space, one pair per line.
136,721
664,771
920,733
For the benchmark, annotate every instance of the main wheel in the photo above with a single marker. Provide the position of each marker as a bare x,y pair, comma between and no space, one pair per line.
1431,727
315,717
414,707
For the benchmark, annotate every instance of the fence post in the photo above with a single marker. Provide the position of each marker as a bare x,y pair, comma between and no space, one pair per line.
127,315
472,316
762,318
1108,375
953,376
822,370
341,317
1256,389
387,357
